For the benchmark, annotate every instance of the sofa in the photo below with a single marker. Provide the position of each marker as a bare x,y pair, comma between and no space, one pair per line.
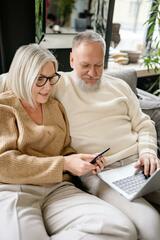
149,103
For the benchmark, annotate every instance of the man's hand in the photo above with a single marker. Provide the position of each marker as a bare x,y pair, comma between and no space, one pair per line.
148,162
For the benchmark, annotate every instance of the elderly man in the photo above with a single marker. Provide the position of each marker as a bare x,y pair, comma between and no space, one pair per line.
104,112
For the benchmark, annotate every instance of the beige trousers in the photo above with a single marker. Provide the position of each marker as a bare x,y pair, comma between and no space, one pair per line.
144,217
60,212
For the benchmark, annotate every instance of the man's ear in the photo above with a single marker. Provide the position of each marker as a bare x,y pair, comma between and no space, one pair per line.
71,59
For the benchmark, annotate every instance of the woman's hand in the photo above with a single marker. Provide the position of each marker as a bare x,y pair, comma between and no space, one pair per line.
99,165
149,162
79,164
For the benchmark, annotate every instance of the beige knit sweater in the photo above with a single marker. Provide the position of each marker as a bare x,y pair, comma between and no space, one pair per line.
109,117
32,153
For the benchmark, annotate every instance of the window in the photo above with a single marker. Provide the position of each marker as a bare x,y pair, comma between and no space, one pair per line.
131,15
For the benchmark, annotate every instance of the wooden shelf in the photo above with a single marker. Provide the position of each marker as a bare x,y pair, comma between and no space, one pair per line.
139,68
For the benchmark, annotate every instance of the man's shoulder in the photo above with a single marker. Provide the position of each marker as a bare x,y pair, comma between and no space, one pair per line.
65,76
108,79
65,83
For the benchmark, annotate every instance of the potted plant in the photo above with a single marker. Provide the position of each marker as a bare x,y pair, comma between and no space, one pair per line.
64,10
152,57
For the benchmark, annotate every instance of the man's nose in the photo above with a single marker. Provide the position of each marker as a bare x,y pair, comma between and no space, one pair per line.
92,72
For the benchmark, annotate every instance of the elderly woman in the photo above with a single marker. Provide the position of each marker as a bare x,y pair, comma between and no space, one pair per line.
38,200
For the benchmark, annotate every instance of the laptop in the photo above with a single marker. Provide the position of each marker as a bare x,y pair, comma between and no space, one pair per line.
130,185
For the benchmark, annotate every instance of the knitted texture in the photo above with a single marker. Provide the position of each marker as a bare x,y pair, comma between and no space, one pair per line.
32,153
108,117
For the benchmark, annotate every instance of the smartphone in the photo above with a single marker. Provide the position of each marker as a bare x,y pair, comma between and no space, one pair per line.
100,154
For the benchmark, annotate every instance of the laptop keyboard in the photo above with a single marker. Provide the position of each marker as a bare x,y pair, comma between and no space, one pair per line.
132,183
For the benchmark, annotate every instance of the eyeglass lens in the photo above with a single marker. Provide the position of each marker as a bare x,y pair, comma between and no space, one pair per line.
42,80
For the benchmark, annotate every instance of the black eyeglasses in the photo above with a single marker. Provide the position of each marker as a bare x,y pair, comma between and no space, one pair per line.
42,80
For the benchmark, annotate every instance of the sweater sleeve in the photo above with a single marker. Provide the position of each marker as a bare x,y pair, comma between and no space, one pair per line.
142,124
19,168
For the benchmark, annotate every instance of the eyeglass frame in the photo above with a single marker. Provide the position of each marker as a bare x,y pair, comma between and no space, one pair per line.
48,79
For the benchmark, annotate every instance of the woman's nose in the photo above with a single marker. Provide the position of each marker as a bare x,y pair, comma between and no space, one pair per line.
48,85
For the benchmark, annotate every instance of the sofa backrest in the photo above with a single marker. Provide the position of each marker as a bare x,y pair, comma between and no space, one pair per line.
129,76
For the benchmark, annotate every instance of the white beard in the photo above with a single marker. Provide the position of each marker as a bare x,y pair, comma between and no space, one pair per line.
86,86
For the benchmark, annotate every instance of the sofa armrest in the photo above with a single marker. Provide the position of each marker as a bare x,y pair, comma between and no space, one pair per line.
148,100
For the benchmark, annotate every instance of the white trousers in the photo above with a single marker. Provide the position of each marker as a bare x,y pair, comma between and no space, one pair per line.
60,212
144,217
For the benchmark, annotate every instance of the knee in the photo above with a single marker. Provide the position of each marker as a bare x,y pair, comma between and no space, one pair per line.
124,229
120,225
145,230
115,228
129,232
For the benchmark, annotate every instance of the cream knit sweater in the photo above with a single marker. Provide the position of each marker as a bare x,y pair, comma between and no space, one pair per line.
109,117
32,153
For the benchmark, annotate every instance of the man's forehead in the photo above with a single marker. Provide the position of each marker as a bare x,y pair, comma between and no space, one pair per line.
85,54
89,62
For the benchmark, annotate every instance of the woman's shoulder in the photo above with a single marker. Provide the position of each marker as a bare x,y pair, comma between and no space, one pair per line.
7,98
8,101
56,105
54,102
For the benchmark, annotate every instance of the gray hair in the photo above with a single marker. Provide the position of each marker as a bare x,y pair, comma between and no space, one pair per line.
88,36
25,67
